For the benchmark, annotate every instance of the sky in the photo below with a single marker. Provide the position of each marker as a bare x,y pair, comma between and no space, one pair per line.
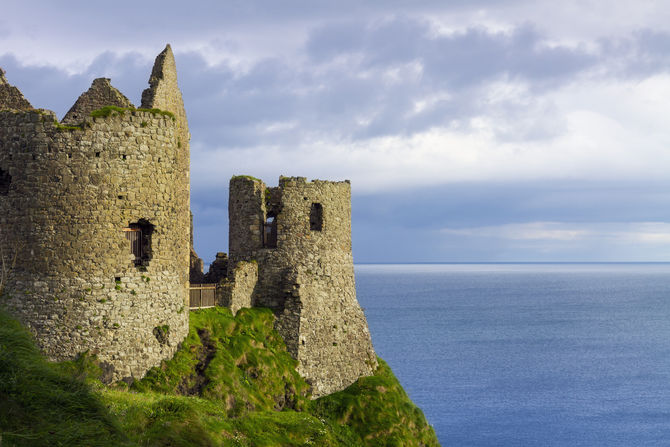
471,131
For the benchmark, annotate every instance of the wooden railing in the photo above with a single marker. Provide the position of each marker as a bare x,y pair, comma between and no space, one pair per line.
202,296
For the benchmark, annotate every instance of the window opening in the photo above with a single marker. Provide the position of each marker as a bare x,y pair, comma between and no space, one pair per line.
134,237
316,217
270,233
138,236
5,181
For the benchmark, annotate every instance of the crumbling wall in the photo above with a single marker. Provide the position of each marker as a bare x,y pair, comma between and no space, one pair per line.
10,97
308,278
100,94
72,192
196,265
218,270
238,290
246,213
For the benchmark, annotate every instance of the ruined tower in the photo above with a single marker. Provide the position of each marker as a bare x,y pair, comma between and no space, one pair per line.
290,250
94,222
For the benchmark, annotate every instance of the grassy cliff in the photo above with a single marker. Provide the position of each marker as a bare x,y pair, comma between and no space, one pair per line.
231,383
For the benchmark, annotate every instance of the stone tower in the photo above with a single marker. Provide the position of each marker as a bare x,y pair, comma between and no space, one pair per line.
290,250
94,216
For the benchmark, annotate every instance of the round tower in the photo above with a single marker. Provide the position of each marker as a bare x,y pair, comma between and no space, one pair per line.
94,227
294,240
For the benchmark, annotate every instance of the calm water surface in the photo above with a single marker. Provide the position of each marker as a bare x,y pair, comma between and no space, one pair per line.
528,354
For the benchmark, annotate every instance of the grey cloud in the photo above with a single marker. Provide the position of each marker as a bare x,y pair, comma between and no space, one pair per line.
51,88
404,227
349,98
343,89
184,18
644,53
464,58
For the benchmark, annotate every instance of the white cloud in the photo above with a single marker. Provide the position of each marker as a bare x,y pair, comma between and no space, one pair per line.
525,231
653,233
604,131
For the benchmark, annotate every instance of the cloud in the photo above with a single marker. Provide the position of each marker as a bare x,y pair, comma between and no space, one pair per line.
526,231
55,89
565,241
456,59
539,120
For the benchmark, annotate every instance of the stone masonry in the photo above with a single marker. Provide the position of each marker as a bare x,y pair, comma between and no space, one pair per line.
290,250
97,217
10,97
101,94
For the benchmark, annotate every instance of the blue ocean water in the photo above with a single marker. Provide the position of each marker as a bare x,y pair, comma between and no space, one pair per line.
528,354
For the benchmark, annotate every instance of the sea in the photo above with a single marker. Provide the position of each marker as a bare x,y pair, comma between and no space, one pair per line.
528,354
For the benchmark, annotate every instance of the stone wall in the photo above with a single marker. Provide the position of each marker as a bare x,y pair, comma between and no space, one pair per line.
238,291
100,94
10,97
71,194
308,278
218,269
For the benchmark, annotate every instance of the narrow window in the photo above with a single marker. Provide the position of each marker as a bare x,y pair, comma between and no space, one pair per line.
270,233
316,217
138,236
5,181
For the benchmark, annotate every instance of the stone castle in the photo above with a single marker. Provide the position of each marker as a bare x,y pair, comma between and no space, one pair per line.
96,245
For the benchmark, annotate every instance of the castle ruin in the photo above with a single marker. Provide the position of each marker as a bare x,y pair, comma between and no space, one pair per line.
95,221
290,250
94,212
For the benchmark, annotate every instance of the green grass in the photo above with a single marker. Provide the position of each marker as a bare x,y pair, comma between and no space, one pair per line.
45,404
231,383
63,128
378,411
107,111
248,177
240,362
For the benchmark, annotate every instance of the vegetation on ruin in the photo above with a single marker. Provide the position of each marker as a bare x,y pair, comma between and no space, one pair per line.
107,111
231,383
248,177
62,127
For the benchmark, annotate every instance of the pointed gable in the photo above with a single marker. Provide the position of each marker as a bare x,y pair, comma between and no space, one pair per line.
11,97
163,92
101,94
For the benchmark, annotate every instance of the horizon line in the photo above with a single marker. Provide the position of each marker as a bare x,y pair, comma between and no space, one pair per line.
509,262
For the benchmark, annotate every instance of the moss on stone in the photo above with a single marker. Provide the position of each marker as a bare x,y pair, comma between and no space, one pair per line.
157,112
248,177
107,111
62,128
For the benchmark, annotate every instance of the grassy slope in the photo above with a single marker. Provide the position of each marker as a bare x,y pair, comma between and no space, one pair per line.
42,405
232,383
